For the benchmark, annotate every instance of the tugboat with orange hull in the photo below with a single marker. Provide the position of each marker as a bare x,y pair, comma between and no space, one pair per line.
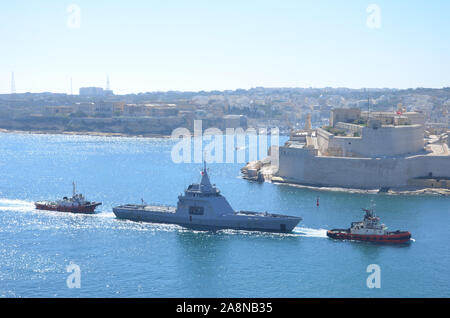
370,230
76,204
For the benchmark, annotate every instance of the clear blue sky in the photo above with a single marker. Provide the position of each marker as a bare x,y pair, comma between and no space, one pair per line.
207,45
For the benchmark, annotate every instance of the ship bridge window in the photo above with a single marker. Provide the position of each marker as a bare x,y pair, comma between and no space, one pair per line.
196,210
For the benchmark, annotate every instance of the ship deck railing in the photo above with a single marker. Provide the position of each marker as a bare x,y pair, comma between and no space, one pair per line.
266,214
151,207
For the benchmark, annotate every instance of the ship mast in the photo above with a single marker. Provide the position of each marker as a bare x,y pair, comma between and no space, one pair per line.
205,184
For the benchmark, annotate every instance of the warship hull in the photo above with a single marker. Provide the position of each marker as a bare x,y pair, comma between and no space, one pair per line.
246,221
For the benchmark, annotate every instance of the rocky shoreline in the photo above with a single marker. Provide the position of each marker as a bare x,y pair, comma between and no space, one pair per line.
262,171
81,133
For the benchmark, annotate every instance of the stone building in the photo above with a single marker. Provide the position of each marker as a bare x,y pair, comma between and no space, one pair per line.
367,156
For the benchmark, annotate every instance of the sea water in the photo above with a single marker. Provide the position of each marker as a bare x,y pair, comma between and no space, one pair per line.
120,258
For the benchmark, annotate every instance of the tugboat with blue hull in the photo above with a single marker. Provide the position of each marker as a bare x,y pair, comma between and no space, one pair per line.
202,207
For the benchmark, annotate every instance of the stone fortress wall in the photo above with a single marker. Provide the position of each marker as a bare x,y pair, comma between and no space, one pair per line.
384,156
300,165
387,141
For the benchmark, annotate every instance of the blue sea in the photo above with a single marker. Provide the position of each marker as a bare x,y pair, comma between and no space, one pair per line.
119,258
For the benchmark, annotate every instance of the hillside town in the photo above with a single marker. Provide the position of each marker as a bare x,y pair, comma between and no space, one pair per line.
96,110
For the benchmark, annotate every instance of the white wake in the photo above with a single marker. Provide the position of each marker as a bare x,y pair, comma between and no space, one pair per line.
309,232
16,205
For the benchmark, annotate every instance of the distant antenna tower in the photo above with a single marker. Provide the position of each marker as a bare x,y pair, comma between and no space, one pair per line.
71,91
13,84
107,83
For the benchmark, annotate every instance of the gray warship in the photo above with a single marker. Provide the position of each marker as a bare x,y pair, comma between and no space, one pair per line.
202,207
